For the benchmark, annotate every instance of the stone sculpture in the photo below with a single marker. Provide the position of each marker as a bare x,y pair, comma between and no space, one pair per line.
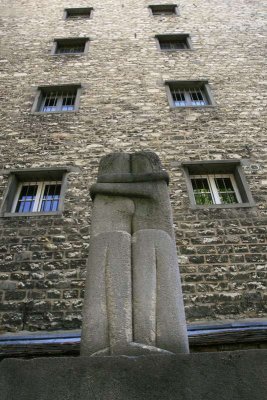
133,299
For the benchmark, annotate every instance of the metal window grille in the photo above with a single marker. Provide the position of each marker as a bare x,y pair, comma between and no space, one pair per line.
163,11
173,44
215,189
81,13
37,196
183,97
58,101
67,48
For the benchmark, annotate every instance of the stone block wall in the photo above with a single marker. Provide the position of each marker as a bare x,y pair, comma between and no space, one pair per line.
124,107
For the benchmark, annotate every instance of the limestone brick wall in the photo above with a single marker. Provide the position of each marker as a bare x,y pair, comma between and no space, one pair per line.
124,107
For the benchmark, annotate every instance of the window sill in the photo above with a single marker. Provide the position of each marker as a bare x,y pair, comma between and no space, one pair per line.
221,206
165,15
31,214
67,54
209,106
53,112
174,51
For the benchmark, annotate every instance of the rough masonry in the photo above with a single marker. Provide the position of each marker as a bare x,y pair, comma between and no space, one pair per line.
124,108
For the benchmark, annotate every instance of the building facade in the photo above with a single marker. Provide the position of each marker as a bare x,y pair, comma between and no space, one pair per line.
81,79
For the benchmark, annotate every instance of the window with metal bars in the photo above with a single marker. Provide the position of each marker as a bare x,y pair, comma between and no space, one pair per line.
37,197
57,99
77,13
183,97
164,9
172,45
215,189
70,46
217,183
66,48
189,94
174,42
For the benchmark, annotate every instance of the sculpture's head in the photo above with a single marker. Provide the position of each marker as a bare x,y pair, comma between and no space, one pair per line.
142,162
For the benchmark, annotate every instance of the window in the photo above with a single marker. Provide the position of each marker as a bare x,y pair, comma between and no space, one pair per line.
37,196
51,99
70,46
35,191
174,42
74,13
164,9
215,189
189,94
217,183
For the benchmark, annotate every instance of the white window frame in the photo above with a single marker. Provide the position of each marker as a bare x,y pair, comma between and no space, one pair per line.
39,195
213,189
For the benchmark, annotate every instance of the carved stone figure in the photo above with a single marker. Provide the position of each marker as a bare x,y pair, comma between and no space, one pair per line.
133,299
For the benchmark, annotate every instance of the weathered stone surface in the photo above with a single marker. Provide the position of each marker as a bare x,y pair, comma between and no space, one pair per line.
199,376
133,298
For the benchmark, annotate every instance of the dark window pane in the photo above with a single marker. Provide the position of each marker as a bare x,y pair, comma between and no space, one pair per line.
224,184
172,45
228,198
203,198
178,98
70,48
51,196
202,191
68,102
226,190
197,98
26,198
50,102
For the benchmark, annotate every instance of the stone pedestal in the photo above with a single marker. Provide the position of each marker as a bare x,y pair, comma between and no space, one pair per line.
240,375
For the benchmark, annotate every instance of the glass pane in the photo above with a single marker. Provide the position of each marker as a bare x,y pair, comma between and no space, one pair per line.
166,11
178,98
202,191
50,103
51,197
197,98
172,45
26,198
78,14
71,48
225,190
228,198
68,102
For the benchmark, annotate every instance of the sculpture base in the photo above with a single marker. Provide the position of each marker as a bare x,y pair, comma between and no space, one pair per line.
221,376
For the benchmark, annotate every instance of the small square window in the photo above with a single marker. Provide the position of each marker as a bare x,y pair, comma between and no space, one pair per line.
35,191
70,46
174,42
77,13
189,94
164,9
217,183
52,99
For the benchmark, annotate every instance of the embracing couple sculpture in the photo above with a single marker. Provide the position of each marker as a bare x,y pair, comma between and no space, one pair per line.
133,298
